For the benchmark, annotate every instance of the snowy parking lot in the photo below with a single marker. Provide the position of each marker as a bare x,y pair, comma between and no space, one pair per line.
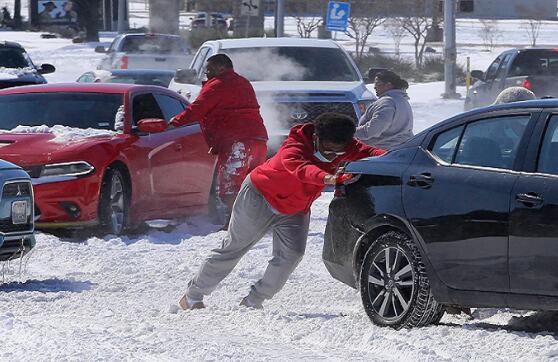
116,298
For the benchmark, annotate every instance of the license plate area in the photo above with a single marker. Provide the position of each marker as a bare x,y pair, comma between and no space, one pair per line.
19,212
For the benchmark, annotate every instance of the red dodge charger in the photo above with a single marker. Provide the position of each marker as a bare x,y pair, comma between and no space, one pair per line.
104,154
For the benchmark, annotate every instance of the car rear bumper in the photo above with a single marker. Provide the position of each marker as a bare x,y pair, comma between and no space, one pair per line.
67,203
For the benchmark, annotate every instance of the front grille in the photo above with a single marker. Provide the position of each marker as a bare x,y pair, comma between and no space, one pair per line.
16,189
6,227
310,110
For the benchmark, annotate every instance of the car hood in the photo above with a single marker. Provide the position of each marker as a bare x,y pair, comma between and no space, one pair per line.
270,87
20,75
26,149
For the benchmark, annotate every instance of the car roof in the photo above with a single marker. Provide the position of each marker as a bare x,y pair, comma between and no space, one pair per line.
10,44
152,34
271,42
115,88
534,104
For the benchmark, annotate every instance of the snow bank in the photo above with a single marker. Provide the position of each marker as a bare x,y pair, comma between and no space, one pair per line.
64,133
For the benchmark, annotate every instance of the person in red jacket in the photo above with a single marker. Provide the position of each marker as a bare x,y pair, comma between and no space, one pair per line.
229,116
277,196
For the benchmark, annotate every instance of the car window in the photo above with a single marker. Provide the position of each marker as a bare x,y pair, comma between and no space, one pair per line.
501,74
445,144
491,71
535,62
154,44
145,106
548,157
198,62
169,105
13,58
492,142
86,78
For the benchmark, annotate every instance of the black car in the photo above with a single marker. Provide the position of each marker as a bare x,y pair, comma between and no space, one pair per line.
16,68
464,214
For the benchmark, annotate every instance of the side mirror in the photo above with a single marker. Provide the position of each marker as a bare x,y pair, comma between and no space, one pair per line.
152,125
46,69
186,76
477,74
371,74
100,49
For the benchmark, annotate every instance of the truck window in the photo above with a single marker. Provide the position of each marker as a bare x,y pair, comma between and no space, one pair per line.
501,73
491,71
535,62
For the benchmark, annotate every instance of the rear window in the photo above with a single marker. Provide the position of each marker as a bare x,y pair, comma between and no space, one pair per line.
535,62
293,64
154,44
78,110
13,58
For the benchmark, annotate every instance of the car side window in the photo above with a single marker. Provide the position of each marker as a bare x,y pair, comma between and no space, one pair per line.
492,142
445,144
197,64
145,106
548,156
86,78
501,73
491,71
169,105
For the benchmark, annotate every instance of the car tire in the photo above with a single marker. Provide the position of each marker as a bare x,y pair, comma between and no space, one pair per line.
114,205
394,285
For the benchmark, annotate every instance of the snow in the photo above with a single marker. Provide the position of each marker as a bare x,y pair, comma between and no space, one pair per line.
14,73
64,133
115,298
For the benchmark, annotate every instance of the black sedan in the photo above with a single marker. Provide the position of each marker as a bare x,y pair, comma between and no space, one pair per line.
464,214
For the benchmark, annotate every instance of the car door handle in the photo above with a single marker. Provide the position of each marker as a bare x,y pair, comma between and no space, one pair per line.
424,180
530,199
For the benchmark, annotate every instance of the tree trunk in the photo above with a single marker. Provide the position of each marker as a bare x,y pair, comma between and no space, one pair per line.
89,18
17,14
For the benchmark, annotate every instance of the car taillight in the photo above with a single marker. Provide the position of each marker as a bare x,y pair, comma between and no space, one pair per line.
527,84
124,62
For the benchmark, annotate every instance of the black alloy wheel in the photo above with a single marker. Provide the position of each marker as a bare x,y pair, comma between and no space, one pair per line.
114,202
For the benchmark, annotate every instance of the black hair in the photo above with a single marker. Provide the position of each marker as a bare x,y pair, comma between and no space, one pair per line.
387,76
221,59
335,128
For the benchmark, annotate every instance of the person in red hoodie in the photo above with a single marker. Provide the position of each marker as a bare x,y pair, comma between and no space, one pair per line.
228,112
277,196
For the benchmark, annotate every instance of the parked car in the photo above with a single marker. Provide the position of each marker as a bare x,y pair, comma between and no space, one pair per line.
535,69
102,154
295,79
145,51
16,212
160,77
16,67
216,20
463,214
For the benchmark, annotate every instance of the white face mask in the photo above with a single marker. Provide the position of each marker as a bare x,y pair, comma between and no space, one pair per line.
321,157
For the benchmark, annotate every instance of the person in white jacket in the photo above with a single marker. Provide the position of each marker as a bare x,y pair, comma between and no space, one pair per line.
388,122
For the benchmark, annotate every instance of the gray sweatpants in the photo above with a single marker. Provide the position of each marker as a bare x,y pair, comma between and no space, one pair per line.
251,218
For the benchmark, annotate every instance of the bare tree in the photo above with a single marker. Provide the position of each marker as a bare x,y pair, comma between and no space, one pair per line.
488,33
533,29
360,29
395,29
417,22
305,26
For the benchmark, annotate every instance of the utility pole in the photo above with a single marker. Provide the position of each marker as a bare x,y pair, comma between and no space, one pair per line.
450,50
280,19
121,16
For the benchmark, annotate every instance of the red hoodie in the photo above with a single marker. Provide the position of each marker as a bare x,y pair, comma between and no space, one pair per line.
292,179
227,109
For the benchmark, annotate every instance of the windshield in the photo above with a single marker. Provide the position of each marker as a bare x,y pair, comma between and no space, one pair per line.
293,64
13,58
78,110
154,44
535,62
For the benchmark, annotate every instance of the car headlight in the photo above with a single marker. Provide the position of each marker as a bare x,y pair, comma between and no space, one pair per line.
363,105
78,168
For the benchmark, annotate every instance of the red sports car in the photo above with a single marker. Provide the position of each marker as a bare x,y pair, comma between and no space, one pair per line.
103,154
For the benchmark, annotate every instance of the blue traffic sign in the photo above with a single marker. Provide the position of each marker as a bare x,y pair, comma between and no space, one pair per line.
337,16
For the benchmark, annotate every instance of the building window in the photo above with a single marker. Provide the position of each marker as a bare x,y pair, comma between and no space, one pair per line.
467,6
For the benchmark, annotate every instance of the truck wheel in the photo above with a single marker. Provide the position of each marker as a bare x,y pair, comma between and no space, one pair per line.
394,286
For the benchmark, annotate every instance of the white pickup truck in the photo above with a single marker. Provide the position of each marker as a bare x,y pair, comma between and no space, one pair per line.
145,51
295,79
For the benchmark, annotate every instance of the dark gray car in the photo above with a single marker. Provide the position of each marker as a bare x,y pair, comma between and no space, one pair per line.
16,68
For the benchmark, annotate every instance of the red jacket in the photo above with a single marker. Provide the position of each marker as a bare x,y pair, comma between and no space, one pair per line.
227,110
292,179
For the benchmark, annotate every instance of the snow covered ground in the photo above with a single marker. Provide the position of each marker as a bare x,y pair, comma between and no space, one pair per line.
116,298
